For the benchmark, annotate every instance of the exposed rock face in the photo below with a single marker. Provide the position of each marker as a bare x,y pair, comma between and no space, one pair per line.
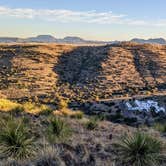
118,112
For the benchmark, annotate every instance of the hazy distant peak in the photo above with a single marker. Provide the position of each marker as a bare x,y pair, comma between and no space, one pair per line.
155,40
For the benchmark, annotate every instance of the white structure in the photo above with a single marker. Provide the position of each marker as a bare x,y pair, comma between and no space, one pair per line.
145,105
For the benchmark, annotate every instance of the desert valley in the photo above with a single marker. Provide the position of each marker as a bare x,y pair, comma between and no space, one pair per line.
72,104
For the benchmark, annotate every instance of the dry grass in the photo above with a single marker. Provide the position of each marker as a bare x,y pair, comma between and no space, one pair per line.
7,105
28,107
33,108
69,113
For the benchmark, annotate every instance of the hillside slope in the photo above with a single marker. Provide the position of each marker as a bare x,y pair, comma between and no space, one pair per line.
81,72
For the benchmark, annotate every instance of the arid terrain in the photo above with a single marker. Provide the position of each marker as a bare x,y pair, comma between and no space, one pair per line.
82,72
71,100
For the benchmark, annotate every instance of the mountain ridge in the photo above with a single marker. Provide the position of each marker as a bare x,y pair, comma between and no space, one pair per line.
75,40
52,39
151,40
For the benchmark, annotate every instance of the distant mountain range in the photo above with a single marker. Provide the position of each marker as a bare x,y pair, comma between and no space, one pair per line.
153,41
51,39
73,40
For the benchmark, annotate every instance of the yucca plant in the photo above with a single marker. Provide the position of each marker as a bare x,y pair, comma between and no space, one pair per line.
140,150
15,141
58,130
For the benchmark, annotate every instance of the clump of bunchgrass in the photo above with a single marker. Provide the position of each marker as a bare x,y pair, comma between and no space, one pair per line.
140,150
58,130
49,156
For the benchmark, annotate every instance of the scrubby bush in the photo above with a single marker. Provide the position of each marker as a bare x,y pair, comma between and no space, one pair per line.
161,127
58,130
91,124
15,140
140,150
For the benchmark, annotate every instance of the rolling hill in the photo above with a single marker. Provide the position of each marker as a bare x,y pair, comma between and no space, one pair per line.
81,72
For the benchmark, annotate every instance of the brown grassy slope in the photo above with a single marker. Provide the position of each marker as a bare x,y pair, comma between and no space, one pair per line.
81,72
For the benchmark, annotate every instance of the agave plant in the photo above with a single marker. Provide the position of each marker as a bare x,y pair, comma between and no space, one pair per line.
140,150
15,141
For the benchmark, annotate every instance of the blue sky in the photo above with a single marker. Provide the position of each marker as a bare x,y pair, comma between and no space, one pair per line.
90,19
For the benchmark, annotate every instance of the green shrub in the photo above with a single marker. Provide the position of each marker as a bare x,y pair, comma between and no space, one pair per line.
140,150
58,130
15,140
91,124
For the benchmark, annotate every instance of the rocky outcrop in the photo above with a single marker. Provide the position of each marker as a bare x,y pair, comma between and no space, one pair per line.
117,112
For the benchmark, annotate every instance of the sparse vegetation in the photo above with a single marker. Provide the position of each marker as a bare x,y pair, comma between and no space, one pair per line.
26,77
